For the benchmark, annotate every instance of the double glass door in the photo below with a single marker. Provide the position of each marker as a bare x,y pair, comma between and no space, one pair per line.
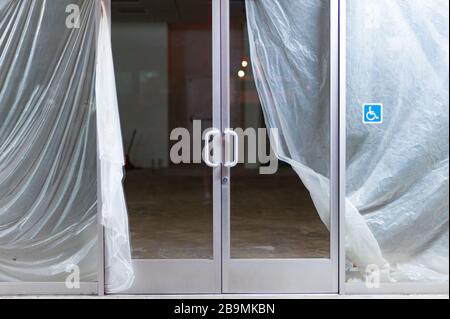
219,199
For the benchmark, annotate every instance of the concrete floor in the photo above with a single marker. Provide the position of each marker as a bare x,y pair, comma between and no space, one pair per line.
272,216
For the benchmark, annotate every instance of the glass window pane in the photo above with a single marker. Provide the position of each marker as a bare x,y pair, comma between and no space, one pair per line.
48,151
272,212
397,141
163,63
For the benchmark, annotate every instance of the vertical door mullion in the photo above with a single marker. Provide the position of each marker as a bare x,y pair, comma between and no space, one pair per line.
101,284
334,139
217,171
225,105
342,138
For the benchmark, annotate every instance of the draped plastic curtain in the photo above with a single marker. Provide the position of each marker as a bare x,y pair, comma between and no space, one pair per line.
57,99
397,173
119,269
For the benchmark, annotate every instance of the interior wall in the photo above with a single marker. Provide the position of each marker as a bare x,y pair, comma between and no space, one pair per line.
141,65
190,75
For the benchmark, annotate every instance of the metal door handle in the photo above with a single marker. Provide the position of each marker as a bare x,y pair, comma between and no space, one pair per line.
207,149
231,133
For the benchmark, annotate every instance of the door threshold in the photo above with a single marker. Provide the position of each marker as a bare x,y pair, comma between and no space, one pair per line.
236,296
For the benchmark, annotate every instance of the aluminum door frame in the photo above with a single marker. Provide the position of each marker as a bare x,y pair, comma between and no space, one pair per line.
191,276
283,276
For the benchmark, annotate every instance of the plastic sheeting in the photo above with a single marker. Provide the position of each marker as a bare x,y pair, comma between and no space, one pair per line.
397,173
119,268
53,109
47,143
398,54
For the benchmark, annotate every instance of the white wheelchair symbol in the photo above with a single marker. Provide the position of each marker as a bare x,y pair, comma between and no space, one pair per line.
371,115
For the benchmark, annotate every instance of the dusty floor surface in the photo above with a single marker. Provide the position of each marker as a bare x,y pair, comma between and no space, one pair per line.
272,216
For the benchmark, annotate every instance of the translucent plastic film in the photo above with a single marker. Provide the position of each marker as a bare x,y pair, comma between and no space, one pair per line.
397,172
57,99
119,270
289,43
48,174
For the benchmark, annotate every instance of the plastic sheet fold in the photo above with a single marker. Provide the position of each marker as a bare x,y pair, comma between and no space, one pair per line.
119,268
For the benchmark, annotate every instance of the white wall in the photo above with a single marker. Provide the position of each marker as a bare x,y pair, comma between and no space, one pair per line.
141,64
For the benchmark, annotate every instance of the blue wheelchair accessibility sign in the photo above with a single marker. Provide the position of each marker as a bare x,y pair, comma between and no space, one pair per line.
373,113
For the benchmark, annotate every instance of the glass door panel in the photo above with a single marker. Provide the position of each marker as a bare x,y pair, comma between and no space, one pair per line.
279,225
164,65
165,83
